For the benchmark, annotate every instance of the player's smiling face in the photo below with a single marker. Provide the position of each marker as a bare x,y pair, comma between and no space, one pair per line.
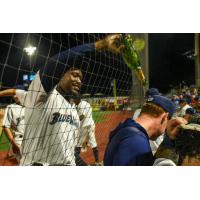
71,82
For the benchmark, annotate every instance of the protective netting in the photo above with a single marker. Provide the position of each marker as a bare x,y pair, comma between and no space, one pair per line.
50,119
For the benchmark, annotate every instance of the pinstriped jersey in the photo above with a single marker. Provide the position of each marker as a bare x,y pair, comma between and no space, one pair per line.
51,129
14,119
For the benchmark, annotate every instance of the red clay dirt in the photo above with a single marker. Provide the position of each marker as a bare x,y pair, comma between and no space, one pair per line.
102,133
5,160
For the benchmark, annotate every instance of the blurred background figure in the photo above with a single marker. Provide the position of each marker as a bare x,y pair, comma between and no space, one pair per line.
188,145
184,105
184,150
13,125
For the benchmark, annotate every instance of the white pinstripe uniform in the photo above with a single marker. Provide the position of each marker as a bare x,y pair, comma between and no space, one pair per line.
87,127
52,124
14,119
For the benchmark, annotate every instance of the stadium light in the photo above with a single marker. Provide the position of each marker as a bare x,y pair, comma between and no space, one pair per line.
30,50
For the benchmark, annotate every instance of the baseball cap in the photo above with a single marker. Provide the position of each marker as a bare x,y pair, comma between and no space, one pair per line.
152,91
164,103
80,56
190,111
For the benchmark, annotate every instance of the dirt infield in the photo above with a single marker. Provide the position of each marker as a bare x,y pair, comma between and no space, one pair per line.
102,132
5,160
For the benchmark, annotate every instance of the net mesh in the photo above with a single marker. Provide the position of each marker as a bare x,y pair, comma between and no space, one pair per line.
107,84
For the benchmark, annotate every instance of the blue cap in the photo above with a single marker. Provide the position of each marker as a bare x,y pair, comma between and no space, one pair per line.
164,103
190,111
152,91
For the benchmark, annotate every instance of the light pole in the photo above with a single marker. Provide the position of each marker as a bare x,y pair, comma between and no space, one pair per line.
30,50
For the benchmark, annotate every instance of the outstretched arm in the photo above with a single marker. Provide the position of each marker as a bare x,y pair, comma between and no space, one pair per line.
8,92
50,74
20,94
56,66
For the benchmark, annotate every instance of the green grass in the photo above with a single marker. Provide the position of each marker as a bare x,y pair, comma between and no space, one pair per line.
4,142
100,116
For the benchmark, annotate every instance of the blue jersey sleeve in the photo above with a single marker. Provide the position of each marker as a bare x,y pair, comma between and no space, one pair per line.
134,151
56,66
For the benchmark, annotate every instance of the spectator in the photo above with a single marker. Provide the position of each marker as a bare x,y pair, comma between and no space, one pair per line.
183,107
185,147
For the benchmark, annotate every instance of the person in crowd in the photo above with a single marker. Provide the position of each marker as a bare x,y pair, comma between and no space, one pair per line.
185,144
183,107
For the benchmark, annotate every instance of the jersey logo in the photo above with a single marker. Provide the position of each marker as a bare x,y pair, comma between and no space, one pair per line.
57,117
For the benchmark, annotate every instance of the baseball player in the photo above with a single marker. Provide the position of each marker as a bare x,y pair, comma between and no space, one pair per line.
51,118
13,120
13,125
87,131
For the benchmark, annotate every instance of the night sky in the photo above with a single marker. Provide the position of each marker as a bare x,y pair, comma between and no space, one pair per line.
167,65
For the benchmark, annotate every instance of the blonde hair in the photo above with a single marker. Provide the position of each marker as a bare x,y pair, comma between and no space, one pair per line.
152,110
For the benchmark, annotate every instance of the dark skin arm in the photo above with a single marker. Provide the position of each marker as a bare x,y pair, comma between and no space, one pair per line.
173,127
8,92
9,134
110,43
55,66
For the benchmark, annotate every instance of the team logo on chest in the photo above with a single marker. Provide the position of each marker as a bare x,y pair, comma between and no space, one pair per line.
58,117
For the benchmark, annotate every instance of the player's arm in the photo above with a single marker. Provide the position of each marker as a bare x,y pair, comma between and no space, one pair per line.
10,137
8,133
173,127
20,94
8,92
56,66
